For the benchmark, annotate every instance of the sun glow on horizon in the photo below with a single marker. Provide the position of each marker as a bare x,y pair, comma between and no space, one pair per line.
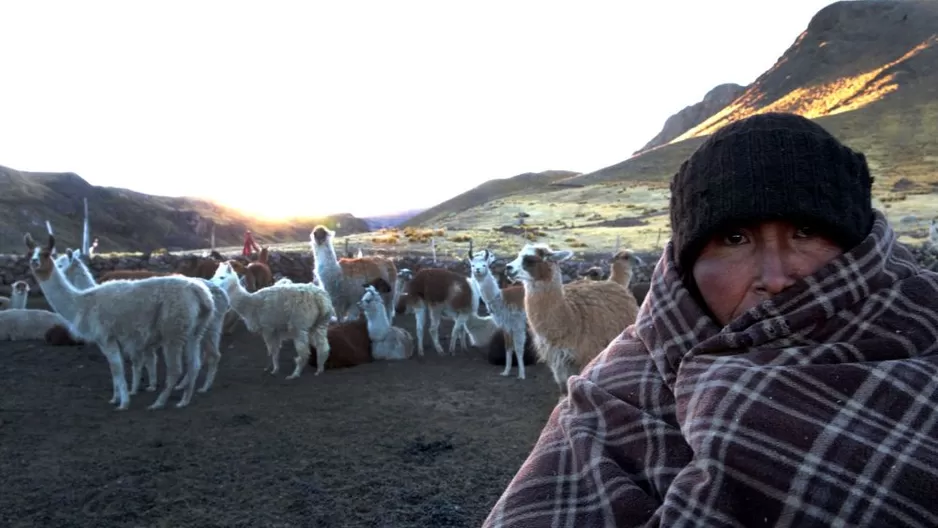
310,109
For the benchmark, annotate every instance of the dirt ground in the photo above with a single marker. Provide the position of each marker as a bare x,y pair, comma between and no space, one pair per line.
427,442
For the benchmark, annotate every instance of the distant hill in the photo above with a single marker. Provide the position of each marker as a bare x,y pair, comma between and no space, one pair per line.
391,220
867,70
488,191
125,220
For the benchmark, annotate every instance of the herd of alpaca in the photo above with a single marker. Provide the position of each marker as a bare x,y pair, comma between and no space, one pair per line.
343,319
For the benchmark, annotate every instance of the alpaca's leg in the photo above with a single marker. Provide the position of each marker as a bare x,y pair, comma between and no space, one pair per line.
136,369
420,314
301,344
509,347
193,366
320,340
392,305
562,366
118,378
172,358
151,366
212,358
518,343
273,351
456,334
435,329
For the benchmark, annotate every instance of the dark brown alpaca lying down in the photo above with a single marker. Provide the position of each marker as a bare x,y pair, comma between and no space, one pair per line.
349,344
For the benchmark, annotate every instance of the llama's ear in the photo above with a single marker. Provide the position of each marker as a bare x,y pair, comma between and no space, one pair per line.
68,252
28,240
51,243
560,255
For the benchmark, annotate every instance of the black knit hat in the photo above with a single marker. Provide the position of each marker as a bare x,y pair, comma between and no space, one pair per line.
770,166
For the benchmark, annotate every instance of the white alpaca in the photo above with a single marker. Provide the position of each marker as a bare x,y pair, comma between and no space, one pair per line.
75,270
171,312
78,274
20,295
211,340
345,279
21,324
506,306
387,342
300,312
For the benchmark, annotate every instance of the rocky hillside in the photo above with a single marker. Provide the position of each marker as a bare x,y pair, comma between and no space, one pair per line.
691,116
867,70
125,220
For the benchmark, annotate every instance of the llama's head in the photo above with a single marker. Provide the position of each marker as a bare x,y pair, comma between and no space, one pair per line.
69,259
405,275
536,262
626,257
225,276
480,262
595,273
40,258
371,299
321,236
20,288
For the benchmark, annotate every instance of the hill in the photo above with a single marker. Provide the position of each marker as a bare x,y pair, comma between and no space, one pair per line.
867,70
125,220
488,191
691,116
391,220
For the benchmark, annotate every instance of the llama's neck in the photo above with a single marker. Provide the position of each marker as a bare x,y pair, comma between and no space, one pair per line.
61,295
546,307
79,275
18,299
378,324
326,260
622,274
241,301
491,294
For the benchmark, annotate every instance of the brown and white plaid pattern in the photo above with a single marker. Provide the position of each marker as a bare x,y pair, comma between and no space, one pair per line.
817,408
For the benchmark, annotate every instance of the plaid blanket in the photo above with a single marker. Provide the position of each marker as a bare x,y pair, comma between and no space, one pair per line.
817,408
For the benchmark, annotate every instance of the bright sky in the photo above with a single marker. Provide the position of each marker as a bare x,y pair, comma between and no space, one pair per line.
306,108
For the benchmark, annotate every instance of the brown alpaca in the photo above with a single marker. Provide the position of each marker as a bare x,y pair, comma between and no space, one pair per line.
571,324
195,266
59,335
441,292
258,272
349,344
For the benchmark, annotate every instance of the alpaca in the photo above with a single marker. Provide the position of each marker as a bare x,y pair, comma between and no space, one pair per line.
639,291
300,312
78,274
257,273
75,270
441,292
59,335
345,278
201,267
21,324
506,306
571,324
19,295
211,340
349,345
171,312
595,273
622,263
133,275
498,349
387,342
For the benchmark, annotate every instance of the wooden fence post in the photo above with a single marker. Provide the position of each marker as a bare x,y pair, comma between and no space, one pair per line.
433,248
86,232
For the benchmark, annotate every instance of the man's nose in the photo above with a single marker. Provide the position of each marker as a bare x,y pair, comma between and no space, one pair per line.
776,273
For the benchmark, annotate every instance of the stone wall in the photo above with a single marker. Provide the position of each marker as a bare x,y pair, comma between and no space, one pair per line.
296,265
